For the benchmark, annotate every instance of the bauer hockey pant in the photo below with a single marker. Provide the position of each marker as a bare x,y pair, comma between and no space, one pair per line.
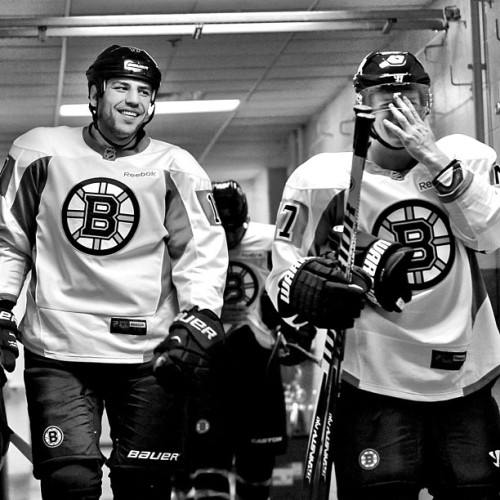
66,401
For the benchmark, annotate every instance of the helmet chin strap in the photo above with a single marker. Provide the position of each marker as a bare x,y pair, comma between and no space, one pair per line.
376,136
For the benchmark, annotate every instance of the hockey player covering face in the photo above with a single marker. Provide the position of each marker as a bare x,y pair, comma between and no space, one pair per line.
128,263
416,408
382,97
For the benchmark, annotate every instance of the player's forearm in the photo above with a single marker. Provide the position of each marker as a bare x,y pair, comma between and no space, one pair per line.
13,268
434,160
475,213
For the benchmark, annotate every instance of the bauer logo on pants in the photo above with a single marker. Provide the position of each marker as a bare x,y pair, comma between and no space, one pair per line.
53,436
369,459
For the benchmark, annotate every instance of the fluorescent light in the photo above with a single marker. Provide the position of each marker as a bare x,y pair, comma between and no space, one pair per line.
213,106
165,107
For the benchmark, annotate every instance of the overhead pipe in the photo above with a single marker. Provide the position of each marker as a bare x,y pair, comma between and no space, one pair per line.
222,23
477,70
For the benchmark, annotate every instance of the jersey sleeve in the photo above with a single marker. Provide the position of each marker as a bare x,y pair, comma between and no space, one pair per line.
21,182
310,214
196,241
474,204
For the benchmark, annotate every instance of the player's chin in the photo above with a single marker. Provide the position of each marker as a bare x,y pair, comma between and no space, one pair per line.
127,129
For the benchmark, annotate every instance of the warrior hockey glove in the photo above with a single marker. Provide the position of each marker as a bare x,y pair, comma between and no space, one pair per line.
190,351
387,264
315,291
9,351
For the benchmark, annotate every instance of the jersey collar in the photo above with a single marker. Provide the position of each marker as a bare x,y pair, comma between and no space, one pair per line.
111,153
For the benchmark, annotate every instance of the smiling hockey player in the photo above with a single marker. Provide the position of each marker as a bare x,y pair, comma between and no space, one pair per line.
119,234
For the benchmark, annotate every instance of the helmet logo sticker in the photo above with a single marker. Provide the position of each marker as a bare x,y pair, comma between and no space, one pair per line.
394,60
424,227
134,66
100,216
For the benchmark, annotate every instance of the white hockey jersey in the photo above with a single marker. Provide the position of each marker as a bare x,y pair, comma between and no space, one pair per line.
249,266
445,343
116,242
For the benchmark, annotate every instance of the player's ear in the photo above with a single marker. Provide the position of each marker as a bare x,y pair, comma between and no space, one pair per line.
93,94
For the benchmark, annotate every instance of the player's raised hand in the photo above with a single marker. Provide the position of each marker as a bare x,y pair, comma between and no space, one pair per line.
414,133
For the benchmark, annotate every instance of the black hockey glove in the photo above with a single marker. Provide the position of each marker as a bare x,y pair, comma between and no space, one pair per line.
315,291
9,351
387,263
190,351
295,344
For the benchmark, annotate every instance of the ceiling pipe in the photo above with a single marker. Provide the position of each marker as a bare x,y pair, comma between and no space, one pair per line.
222,23
477,70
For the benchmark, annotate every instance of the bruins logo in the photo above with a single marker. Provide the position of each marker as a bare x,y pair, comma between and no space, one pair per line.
241,285
424,227
100,216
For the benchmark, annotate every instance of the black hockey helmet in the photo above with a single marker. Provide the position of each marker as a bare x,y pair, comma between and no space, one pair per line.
118,61
395,68
232,207
393,71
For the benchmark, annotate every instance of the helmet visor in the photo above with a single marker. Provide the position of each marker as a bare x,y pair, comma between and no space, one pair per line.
379,97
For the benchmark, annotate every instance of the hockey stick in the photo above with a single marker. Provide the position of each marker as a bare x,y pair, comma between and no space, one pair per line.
21,445
319,462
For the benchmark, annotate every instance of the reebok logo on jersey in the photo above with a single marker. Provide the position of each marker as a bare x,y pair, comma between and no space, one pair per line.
495,455
148,173
154,455
424,185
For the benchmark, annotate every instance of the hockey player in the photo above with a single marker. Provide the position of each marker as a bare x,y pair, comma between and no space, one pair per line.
119,233
416,408
254,417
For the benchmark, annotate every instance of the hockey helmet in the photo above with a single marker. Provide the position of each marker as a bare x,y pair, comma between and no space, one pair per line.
393,71
118,61
232,207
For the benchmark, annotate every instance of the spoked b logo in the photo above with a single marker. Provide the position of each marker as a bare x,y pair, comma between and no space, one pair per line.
53,436
100,216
